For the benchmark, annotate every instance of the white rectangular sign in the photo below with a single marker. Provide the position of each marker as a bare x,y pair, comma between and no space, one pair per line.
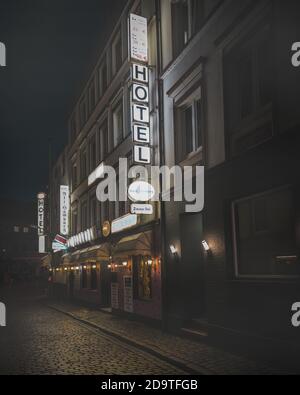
140,93
140,113
42,245
141,134
41,214
128,294
138,38
126,222
142,155
140,73
64,209
141,209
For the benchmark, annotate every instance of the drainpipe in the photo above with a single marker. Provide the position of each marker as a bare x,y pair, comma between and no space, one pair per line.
162,163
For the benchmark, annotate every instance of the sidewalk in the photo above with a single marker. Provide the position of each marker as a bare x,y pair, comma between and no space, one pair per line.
198,358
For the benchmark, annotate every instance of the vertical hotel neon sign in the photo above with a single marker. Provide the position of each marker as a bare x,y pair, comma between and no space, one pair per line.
41,222
140,112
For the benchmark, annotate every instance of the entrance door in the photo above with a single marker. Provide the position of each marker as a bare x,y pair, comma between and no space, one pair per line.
193,292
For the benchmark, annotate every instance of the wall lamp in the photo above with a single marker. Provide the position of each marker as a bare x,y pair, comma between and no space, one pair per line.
206,247
173,249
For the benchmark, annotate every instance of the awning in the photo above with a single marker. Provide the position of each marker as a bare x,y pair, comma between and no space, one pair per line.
139,244
46,261
92,254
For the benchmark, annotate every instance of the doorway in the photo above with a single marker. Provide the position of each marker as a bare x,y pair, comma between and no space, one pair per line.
193,271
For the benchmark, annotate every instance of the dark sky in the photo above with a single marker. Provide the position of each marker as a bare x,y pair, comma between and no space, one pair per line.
52,46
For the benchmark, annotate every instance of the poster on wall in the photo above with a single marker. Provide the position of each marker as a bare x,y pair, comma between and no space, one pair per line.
128,294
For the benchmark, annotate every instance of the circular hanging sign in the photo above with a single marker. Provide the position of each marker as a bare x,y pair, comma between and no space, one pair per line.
141,191
106,229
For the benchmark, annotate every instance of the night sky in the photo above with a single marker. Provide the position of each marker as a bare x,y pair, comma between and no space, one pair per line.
52,46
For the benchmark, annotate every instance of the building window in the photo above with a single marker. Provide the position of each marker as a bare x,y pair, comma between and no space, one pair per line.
265,235
92,97
26,230
248,91
74,176
142,277
104,140
84,277
93,211
74,222
94,279
73,127
83,112
117,58
16,229
189,128
102,78
187,19
93,153
83,164
84,216
105,211
118,125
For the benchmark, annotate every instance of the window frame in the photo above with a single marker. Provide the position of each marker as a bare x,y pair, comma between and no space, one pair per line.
116,40
237,126
118,102
234,232
180,139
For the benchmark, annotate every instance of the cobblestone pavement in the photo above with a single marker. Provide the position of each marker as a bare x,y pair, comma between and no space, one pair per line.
39,340
200,357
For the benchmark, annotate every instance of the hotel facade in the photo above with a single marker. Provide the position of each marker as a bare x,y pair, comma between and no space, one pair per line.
222,94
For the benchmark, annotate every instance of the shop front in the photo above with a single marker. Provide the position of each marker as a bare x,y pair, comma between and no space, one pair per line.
86,275
136,276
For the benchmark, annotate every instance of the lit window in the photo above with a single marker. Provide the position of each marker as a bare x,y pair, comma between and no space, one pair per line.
16,229
142,277
26,230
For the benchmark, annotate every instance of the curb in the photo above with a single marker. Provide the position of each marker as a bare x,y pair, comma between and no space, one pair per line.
190,369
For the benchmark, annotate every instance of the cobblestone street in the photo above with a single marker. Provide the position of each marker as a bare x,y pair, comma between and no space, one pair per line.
38,340
44,337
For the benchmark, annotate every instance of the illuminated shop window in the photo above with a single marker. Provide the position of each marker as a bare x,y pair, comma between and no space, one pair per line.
142,277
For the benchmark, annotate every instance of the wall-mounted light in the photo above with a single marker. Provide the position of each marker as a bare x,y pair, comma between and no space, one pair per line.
84,267
150,262
206,246
173,249
125,263
94,267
